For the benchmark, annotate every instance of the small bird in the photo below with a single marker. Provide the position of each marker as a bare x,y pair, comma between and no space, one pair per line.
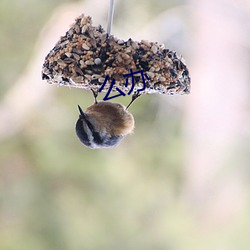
104,124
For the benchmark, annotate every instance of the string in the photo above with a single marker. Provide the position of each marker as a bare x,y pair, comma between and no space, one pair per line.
110,15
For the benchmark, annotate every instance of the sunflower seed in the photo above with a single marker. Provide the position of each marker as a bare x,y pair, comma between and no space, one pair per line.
77,29
101,79
88,62
77,57
68,54
61,62
85,46
69,60
78,70
154,49
150,74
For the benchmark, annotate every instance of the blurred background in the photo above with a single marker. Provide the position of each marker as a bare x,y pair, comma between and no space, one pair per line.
180,182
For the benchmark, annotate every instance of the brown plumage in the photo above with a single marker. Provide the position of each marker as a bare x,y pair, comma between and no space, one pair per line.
110,117
104,124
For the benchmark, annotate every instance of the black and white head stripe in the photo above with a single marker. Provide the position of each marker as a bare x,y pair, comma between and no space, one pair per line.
81,133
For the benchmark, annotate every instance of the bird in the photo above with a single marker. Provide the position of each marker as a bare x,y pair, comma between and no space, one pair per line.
104,124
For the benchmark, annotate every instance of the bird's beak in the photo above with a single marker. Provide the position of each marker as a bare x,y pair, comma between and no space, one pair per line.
82,115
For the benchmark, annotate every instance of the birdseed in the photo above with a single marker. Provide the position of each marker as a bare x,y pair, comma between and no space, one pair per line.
87,54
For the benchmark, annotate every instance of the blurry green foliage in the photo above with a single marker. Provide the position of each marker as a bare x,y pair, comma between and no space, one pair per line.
20,24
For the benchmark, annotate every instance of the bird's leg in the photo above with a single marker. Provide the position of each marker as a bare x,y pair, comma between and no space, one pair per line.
134,97
95,94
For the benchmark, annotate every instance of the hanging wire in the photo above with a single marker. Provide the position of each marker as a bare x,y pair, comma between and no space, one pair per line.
110,15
